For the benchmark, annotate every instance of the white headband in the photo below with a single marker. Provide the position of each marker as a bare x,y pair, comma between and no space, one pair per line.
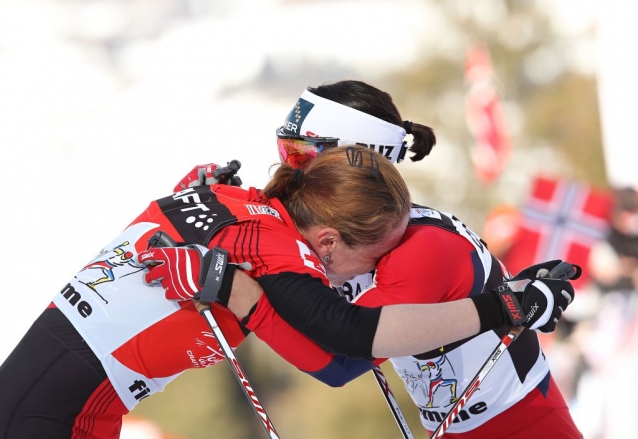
314,116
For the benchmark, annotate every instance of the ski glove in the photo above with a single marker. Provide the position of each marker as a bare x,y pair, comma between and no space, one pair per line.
190,272
211,173
535,303
535,298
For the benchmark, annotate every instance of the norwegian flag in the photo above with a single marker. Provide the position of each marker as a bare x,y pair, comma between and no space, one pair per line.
485,117
561,219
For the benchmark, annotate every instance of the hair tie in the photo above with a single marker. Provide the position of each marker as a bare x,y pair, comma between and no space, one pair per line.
407,126
297,178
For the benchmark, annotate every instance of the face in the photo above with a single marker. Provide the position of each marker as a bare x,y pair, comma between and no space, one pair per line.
347,262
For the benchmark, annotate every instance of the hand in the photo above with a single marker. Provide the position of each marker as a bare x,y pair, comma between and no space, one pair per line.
535,304
211,174
244,295
177,269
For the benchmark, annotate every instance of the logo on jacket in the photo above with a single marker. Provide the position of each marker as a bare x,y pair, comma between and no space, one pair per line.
434,388
207,355
257,209
433,377
103,269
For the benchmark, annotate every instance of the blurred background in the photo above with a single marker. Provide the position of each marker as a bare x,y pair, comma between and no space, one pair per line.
106,104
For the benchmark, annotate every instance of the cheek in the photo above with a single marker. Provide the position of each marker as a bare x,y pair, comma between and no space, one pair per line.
360,265
350,265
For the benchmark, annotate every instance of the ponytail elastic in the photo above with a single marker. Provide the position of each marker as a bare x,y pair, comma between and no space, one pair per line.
407,126
297,178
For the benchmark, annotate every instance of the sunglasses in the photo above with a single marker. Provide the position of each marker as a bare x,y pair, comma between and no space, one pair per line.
298,151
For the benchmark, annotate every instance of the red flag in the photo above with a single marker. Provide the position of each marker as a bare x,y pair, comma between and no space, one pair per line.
560,219
485,117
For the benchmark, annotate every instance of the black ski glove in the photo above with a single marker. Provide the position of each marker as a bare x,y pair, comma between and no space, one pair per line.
535,304
529,300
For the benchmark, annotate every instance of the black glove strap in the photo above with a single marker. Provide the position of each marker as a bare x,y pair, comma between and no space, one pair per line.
511,305
214,268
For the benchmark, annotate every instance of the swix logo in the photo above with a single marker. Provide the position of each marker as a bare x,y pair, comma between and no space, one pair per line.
513,307
535,308
250,393
139,389
220,262
497,353
147,256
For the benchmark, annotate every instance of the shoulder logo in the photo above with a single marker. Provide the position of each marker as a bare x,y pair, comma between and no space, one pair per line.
259,209
420,212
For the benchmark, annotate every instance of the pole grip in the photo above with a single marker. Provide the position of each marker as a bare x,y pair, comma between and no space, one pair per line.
201,307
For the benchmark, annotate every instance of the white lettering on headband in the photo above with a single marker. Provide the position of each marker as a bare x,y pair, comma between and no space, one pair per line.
314,116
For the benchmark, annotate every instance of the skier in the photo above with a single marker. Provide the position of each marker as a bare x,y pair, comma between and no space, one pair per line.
101,347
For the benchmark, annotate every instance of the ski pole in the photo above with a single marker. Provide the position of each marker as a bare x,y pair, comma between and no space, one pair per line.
208,295
477,380
563,271
392,403
239,373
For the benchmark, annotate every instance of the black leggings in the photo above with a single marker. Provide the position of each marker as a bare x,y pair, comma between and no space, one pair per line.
47,380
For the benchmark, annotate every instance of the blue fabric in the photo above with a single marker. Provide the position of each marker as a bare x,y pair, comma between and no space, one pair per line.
543,386
479,274
342,370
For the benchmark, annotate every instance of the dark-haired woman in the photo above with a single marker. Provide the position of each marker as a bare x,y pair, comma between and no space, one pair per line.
439,261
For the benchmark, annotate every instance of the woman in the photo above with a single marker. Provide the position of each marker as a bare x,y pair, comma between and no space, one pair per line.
519,398
518,392
107,341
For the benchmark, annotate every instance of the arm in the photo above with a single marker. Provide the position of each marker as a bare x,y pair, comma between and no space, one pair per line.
394,330
389,331
443,322
177,269
371,332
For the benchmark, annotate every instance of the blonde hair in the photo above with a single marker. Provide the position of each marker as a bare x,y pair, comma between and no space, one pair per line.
352,189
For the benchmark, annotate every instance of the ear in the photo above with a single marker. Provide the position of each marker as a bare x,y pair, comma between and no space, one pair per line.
327,240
